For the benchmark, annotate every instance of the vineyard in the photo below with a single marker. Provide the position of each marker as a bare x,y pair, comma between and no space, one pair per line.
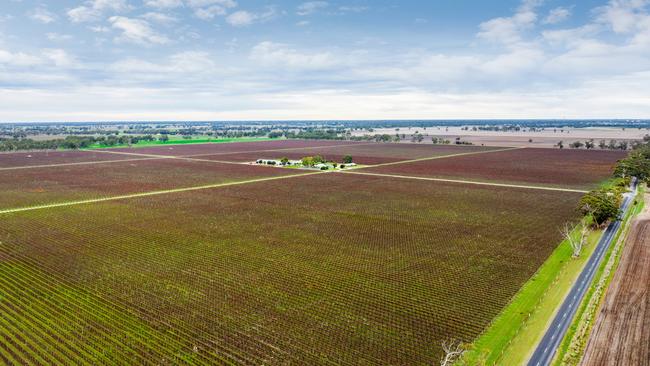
13,161
366,154
326,268
27,187
564,168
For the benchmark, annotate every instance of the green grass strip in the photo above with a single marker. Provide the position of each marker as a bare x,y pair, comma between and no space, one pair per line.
97,146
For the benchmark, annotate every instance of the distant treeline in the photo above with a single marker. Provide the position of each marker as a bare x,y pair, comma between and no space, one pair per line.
71,142
262,128
606,145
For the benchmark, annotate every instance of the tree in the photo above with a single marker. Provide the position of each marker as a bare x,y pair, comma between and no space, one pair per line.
308,161
453,350
347,159
602,144
612,145
602,205
635,165
560,144
576,145
578,240
590,144
284,160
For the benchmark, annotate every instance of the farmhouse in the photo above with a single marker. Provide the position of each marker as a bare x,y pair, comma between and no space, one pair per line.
278,162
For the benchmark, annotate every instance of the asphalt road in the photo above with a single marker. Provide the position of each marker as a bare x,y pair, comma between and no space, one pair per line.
547,348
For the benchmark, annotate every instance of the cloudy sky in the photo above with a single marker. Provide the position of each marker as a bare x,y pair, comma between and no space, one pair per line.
79,60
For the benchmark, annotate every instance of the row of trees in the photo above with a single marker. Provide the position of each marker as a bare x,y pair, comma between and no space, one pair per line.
70,142
603,205
310,161
602,144
74,142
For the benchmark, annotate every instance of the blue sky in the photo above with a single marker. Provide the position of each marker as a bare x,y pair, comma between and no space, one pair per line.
78,60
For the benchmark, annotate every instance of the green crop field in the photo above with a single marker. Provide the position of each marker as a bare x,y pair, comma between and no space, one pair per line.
327,268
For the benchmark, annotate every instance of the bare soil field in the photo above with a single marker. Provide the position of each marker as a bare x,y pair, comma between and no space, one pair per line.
621,334
546,138
562,168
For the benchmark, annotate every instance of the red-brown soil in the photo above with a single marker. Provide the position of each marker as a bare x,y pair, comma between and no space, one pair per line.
621,334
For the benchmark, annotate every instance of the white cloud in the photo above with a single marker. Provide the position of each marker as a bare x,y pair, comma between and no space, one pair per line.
57,37
203,3
278,54
44,58
570,36
311,7
619,98
623,16
164,4
352,9
99,29
93,10
628,17
136,31
42,15
557,15
508,30
241,18
181,63
159,17
18,59
209,12
209,9
59,57
244,18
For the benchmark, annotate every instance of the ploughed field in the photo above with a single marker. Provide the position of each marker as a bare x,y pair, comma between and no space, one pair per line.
621,332
280,266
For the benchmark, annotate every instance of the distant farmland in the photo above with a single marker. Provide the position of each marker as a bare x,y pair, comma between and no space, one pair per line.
327,268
